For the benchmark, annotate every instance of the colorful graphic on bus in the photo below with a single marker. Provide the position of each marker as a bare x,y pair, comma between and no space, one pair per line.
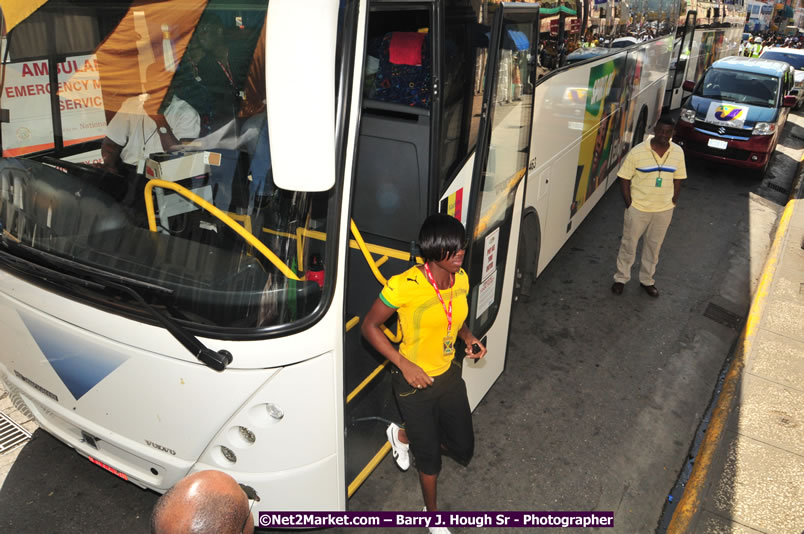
711,44
604,126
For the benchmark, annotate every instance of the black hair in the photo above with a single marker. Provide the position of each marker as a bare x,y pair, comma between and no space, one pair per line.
667,119
440,237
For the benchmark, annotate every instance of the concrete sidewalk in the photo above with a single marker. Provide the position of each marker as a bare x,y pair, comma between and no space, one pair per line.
749,472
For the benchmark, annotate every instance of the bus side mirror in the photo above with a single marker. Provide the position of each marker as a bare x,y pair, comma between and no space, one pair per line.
688,85
301,110
789,101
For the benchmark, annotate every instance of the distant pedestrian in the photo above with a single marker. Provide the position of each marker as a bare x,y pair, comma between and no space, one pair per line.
207,502
756,48
650,180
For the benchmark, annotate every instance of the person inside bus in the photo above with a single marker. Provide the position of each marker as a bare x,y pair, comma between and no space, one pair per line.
431,302
191,88
146,124
221,69
206,502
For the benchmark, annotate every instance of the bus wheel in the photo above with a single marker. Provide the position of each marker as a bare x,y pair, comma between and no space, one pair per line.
639,132
526,258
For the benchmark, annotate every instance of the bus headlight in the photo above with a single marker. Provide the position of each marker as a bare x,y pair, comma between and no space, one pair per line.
764,128
688,115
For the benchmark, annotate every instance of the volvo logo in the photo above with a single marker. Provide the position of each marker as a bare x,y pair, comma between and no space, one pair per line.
160,447
721,130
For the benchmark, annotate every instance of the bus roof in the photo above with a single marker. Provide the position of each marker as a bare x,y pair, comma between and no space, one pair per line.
752,65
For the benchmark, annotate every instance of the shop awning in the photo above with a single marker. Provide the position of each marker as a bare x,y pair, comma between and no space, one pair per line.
554,10
519,40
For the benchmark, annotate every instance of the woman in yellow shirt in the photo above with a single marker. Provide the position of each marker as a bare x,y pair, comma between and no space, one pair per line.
431,302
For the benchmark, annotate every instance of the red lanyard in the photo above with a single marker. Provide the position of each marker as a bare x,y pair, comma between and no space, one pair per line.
447,311
227,73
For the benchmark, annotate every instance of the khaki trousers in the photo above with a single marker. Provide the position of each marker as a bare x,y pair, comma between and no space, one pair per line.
636,224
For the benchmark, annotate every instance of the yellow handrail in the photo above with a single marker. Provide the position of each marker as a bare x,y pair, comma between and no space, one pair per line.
222,216
321,236
395,338
366,254
363,475
366,381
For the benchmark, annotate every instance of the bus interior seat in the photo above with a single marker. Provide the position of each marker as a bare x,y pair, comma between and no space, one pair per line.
403,76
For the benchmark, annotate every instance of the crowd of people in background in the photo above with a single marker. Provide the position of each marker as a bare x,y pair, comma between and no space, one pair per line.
756,43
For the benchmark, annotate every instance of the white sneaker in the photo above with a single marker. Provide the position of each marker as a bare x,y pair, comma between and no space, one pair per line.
439,530
436,530
401,451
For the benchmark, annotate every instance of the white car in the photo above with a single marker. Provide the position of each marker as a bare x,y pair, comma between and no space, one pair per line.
795,57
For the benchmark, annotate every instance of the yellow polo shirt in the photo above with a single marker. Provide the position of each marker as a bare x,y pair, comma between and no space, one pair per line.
422,317
643,166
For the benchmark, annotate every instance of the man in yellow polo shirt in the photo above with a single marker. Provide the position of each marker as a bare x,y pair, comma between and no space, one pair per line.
650,180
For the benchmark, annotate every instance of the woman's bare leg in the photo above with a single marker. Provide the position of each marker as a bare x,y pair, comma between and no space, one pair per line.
428,483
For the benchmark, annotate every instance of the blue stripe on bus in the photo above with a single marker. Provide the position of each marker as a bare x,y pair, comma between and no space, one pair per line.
80,365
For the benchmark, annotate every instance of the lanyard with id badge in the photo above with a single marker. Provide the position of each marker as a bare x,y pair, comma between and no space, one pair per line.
658,167
449,345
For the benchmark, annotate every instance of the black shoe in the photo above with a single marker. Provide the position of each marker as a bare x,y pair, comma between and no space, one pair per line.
650,290
617,288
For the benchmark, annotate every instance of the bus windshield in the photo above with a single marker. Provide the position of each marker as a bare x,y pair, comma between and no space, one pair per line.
136,142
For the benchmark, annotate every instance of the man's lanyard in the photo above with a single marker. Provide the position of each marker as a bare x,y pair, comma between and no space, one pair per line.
447,311
658,166
227,72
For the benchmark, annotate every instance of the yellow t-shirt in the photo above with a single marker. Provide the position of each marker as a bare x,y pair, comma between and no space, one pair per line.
643,167
422,317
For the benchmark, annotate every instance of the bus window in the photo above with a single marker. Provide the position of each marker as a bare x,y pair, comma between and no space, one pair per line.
465,48
148,155
26,92
399,58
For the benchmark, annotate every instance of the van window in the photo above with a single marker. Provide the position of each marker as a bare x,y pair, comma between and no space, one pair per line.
740,87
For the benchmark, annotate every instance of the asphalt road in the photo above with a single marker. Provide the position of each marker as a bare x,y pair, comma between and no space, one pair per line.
600,398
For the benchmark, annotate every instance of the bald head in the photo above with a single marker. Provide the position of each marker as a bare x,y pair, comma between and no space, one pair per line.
207,502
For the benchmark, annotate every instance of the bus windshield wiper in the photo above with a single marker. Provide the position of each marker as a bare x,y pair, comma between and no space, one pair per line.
100,279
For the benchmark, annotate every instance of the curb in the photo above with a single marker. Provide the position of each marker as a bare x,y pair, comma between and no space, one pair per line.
690,503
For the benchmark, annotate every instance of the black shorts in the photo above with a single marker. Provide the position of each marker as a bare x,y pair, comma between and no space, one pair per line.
436,415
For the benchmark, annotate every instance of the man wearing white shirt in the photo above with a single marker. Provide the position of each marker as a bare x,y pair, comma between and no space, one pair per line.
139,130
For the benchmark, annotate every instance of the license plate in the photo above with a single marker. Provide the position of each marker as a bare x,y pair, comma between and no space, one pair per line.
717,143
109,468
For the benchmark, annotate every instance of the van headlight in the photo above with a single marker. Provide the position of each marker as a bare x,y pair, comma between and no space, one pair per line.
688,115
764,128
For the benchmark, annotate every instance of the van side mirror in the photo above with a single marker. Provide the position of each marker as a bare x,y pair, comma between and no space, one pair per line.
688,85
788,101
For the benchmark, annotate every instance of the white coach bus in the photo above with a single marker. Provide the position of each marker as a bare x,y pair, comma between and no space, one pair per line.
200,200
708,31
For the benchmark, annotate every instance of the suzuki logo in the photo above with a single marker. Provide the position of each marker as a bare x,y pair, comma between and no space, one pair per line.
721,130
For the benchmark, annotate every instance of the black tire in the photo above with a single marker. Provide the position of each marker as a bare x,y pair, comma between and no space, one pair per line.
526,258
641,127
